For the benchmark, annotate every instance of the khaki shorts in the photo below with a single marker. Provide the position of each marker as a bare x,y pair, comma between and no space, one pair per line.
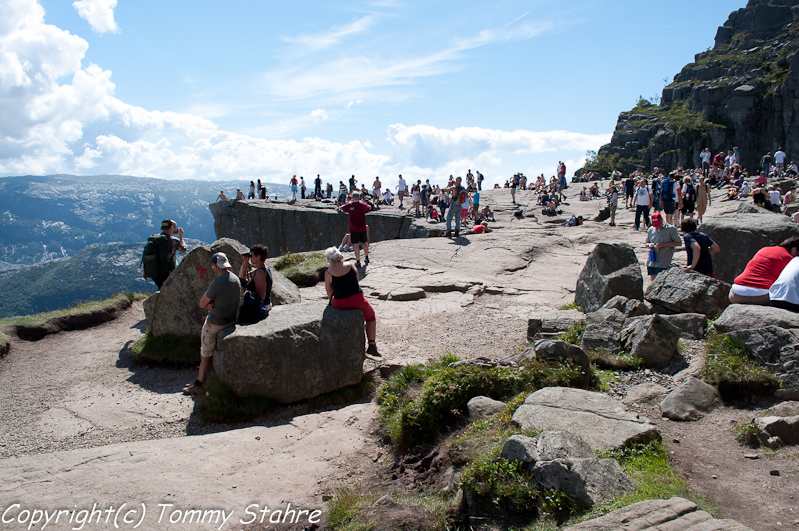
208,338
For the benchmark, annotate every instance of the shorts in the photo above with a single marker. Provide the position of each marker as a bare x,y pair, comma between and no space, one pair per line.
401,194
293,187
668,207
629,193
358,237
652,271
687,207
356,302
208,338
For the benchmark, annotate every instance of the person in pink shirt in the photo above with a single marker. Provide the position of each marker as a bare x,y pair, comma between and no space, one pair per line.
357,209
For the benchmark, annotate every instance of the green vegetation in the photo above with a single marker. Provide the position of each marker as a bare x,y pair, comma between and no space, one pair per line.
746,433
504,485
574,334
618,361
347,503
601,162
733,369
41,318
678,117
419,401
5,344
167,349
571,306
290,262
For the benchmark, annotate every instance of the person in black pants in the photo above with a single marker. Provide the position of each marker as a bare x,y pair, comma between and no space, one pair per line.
643,202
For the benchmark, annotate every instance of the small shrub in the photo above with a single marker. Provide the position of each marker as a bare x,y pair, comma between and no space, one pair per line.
574,334
746,433
345,505
5,344
618,361
571,306
601,379
167,349
732,368
502,485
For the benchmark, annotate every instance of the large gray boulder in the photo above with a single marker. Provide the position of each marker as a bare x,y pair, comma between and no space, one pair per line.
300,351
691,325
785,428
629,307
742,236
656,515
603,422
603,330
685,291
766,342
752,316
589,480
692,400
546,446
553,350
483,406
651,339
611,269
174,310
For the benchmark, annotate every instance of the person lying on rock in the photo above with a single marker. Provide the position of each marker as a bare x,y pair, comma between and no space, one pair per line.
480,228
222,302
344,293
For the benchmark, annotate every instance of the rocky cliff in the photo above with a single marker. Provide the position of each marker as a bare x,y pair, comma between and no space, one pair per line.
306,225
743,92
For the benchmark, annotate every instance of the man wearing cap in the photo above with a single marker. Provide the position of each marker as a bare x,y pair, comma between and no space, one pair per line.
357,210
222,302
172,246
661,239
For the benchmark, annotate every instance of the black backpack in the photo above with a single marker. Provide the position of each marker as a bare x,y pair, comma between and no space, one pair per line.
154,258
690,192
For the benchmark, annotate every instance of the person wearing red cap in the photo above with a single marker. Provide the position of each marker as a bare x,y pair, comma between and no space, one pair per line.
661,239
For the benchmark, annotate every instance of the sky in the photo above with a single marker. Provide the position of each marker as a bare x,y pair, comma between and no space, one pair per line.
260,89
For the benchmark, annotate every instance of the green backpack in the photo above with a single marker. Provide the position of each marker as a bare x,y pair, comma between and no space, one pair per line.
154,258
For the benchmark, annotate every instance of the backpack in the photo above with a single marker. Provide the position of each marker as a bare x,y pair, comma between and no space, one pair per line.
690,193
462,197
154,258
667,189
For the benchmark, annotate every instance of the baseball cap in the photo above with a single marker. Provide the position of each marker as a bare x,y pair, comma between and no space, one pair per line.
166,224
220,259
657,220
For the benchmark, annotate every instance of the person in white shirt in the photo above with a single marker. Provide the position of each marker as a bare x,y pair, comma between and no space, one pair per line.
784,293
779,159
401,188
643,201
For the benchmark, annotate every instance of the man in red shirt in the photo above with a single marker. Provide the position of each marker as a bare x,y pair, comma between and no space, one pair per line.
357,212
751,286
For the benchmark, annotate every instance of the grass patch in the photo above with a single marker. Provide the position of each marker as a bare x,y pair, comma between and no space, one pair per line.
732,368
291,263
39,319
5,344
617,361
167,349
347,503
503,487
746,433
571,306
653,476
573,334
601,379
419,402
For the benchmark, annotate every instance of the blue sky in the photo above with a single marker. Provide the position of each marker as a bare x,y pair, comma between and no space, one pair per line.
263,89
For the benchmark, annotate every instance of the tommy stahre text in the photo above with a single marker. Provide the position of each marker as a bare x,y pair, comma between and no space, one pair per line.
133,515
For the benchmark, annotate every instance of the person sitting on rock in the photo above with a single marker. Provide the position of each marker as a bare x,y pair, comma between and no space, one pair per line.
344,293
752,286
698,247
222,302
487,214
584,194
784,293
257,304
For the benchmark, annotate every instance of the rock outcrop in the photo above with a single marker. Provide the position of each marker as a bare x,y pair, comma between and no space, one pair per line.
307,225
300,351
692,400
741,93
685,291
174,310
611,269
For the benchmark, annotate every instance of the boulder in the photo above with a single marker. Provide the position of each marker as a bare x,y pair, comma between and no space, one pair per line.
742,236
483,406
691,325
690,401
611,269
588,480
603,422
546,446
788,408
643,393
300,351
656,515
651,339
174,310
752,316
553,350
786,428
767,342
787,372
686,291
603,330
551,322
629,307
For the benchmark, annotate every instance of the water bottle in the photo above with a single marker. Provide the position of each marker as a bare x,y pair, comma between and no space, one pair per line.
652,254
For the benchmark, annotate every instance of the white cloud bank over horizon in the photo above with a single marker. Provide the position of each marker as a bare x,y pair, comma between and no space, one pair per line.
61,116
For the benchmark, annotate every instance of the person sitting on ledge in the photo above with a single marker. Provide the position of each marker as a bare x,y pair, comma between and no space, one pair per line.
784,293
344,293
752,286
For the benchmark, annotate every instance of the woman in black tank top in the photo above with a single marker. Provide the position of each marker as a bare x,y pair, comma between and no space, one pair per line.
344,292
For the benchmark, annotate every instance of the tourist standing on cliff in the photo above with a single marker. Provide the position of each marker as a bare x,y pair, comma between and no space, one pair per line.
377,188
302,187
353,184
401,188
456,200
317,188
765,163
643,201
661,240
779,159
251,191
222,302
706,155
698,247
357,209
159,257
293,183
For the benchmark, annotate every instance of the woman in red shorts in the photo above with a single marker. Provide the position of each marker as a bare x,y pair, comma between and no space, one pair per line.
344,292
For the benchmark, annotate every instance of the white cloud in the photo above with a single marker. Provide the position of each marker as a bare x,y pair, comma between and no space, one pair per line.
317,41
98,13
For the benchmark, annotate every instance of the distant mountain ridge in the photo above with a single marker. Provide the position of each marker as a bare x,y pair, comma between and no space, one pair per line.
55,216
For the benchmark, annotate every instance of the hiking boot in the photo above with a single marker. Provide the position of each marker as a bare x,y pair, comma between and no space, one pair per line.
358,265
342,248
448,234
372,350
366,260
457,233
194,389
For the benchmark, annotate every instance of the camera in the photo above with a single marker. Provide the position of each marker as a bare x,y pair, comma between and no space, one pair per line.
247,254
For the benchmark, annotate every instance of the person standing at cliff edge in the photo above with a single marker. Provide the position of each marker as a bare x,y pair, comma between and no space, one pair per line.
356,209
158,258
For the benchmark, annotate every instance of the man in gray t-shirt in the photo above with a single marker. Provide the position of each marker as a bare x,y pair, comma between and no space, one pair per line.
661,239
222,301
